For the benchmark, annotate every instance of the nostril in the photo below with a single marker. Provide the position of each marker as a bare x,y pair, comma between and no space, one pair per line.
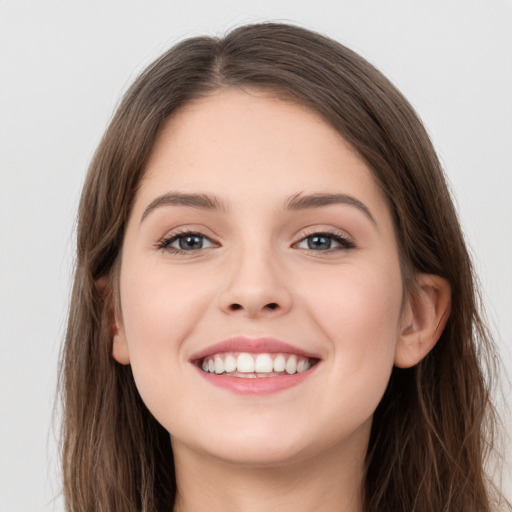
271,305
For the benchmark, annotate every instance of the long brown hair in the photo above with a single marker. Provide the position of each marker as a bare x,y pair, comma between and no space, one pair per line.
434,425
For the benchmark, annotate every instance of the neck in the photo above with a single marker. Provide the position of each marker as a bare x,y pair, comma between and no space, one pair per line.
325,484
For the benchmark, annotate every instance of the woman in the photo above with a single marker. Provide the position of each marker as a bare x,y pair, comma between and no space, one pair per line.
273,308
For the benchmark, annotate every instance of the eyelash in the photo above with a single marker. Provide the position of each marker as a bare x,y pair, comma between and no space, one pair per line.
344,242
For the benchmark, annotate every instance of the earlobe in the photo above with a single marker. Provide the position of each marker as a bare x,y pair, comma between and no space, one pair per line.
119,345
423,320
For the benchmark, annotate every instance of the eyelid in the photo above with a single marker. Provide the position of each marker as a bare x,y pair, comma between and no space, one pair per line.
346,241
165,242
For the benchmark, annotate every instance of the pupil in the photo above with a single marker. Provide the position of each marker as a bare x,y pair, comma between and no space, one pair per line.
319,242
191,242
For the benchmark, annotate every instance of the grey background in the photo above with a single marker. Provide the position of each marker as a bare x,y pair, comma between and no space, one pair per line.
63,68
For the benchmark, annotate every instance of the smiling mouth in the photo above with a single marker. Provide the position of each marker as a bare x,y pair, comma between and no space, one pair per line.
250,365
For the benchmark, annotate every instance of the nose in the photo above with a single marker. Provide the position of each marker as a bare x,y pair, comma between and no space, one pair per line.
255,286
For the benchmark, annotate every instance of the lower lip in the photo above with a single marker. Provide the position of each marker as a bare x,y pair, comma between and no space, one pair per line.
257,385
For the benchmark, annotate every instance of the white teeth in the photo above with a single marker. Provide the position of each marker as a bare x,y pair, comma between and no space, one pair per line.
219,365
229,364
302,365
263,364
279,363
291,365
255,365
245,363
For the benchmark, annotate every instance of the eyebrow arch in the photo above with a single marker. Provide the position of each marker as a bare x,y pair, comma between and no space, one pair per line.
303,202
200,201
296,202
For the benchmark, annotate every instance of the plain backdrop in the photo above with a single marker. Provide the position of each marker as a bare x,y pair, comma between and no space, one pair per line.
65,64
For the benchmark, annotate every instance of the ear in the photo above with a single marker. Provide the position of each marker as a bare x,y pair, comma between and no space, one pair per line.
119,344
423,319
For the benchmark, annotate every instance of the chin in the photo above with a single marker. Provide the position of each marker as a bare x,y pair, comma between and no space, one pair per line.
260,444
260,453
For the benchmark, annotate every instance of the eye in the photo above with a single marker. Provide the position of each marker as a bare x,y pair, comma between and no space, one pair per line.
325,242
185,242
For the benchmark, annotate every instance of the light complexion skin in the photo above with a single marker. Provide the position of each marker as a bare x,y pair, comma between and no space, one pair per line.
257,224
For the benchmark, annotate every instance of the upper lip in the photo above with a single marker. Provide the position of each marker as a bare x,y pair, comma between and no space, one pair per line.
251,345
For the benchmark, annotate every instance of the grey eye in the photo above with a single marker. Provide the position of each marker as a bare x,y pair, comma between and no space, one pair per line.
325,242
319,242
190,242
186,242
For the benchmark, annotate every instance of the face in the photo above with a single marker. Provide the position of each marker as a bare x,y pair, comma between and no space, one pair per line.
260,286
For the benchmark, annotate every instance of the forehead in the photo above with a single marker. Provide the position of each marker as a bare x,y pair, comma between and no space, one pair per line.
234,142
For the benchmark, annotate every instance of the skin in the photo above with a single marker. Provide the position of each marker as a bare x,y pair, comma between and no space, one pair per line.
302,448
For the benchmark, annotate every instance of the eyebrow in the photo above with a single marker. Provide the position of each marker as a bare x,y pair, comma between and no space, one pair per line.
296,202
199,201
303,202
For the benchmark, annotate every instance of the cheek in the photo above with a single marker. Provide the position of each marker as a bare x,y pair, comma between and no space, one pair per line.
160,304
359,311
160,308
